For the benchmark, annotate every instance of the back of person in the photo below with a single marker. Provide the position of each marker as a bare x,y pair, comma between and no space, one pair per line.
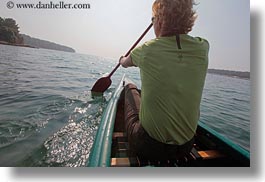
172,83
161,121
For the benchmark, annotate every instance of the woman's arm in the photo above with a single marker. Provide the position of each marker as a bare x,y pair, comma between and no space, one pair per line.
126,61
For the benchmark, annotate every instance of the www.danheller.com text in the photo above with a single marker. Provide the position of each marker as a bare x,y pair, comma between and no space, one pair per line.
47,5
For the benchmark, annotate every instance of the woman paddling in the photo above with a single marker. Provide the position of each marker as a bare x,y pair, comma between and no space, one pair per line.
162,120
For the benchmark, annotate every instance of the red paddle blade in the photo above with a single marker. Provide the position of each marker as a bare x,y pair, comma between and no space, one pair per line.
101,85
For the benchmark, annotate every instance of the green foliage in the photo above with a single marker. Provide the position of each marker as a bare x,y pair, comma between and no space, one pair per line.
9,31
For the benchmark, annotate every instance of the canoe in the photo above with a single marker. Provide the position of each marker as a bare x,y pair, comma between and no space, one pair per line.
111,149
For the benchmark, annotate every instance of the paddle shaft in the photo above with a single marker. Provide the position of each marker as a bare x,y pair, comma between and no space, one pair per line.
134,45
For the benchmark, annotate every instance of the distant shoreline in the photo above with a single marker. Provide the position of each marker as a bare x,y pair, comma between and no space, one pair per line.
237,74
35,42
19,45
10,35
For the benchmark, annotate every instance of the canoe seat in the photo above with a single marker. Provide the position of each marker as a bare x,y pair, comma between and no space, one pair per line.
135,162
210,154
205,154
200,158
121,157
188,160
124,162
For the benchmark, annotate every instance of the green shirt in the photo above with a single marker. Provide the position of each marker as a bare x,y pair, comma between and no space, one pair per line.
172,84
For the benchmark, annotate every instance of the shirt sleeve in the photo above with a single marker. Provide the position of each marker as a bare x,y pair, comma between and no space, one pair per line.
137,56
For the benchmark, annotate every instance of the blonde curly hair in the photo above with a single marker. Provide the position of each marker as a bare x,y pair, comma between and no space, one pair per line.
174,16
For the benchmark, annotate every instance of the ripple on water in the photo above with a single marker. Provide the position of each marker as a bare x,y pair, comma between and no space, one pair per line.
13,131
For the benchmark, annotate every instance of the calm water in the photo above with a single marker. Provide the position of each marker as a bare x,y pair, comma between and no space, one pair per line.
48,118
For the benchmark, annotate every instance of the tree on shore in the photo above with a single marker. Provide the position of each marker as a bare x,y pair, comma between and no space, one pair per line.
9,31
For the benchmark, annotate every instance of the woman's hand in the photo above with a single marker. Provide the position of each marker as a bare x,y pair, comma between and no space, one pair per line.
126,61
121,60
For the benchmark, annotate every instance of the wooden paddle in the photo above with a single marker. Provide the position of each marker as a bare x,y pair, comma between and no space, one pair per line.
103,83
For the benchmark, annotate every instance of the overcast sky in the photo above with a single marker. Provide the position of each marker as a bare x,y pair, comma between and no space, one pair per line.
110,27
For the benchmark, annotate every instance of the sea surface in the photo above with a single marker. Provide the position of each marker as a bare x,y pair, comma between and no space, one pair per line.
49,118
